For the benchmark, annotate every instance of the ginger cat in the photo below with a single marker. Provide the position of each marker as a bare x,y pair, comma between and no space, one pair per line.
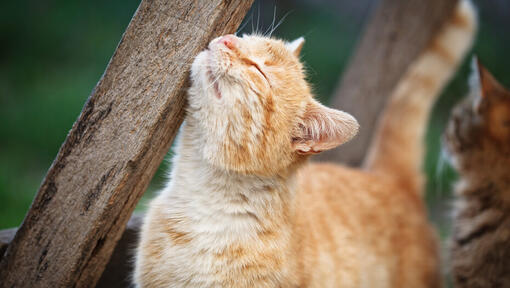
478,141
244,208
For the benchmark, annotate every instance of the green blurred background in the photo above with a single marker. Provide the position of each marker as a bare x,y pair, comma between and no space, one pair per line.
54,51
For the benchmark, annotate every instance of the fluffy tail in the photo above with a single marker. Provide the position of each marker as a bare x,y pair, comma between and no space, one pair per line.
398,146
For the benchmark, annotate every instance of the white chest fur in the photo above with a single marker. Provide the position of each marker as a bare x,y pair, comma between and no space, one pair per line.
212,228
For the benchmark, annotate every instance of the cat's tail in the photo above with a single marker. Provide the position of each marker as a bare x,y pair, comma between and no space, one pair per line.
397,148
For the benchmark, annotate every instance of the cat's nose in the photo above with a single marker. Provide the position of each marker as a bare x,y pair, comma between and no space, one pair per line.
229,41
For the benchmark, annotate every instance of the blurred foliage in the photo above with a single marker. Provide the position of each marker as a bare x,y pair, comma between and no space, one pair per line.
53,52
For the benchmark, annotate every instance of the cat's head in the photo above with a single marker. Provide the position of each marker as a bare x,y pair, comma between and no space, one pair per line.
478,133
253,109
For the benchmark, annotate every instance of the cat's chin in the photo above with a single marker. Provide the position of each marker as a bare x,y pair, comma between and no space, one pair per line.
202,72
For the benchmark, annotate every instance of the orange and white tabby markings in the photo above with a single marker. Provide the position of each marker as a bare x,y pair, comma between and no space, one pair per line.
243,208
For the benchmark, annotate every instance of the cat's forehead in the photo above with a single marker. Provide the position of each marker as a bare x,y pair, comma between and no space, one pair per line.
262,41
265,46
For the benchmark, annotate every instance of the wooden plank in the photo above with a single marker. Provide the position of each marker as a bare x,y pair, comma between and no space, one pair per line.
395,35
120,266
116,145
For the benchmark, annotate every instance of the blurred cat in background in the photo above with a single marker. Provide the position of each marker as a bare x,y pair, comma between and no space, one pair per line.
243,208
478,141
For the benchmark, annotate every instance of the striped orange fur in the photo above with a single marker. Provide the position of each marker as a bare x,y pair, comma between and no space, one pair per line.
398,148
243,208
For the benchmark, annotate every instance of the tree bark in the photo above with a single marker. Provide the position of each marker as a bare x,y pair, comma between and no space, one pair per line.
396,34
116,145
118,271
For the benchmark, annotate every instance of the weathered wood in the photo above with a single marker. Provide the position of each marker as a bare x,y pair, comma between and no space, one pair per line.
118,270
6,237
116,145
395,35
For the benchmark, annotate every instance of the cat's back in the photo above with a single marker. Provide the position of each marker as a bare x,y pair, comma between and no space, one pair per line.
360,193
377,229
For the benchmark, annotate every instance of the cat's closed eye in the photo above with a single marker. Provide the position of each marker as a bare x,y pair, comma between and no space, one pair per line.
256,66
258,69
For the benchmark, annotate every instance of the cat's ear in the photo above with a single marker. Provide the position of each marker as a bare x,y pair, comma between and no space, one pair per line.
493,102
488,83
489,91
296,45
322,128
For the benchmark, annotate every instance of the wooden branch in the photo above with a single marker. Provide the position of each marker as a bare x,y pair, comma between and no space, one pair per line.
117,273
116,145
397,32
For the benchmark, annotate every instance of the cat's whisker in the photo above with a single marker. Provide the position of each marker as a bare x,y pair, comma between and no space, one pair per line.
272,23
213,82
243,25
190,64
182,63
252,21
279,23
186,66
201,65
258,19
210,85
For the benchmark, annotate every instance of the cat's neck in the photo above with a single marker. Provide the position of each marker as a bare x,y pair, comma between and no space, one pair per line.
222,215
203,192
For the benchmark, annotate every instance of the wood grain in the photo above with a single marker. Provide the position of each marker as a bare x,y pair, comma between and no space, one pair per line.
393,38
116,145
117,273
